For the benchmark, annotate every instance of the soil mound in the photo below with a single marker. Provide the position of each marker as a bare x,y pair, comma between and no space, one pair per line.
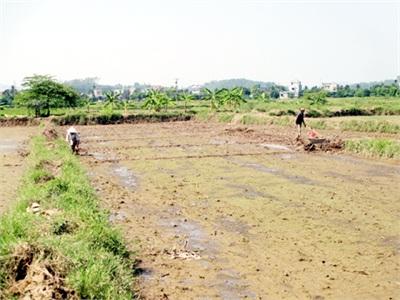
35,273
50,133
326,145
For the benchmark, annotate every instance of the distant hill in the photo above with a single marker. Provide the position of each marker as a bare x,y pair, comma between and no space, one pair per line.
366,85
240,82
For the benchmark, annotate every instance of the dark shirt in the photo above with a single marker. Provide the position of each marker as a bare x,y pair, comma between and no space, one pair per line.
300,118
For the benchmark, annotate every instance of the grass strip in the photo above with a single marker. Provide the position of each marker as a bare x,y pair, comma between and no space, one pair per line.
374,147
370,126
65,247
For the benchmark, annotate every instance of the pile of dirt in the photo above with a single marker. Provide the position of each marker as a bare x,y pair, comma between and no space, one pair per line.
36,273
326,145
50,133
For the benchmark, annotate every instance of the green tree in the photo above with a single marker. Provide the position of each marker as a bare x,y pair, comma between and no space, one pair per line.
8,96
42,93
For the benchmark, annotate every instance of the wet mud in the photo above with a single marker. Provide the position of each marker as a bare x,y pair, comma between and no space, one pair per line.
210,221
13,144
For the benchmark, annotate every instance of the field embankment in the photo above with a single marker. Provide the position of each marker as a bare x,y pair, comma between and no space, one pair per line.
55,243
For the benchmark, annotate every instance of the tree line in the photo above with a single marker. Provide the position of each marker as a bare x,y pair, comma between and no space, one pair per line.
42,93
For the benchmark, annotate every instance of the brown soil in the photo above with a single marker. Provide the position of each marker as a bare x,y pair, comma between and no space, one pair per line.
36,274
19,121
226,212
13,147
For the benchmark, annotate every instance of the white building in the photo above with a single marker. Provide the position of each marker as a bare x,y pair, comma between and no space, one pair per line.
331,87
195,89
295,88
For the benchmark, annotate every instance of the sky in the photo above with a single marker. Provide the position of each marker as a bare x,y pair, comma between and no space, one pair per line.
195,41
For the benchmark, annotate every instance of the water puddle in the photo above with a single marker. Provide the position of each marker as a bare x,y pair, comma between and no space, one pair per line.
7,146
193,233
275,147
126,177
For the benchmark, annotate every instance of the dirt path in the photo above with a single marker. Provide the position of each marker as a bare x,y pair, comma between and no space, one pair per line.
220,213
12,139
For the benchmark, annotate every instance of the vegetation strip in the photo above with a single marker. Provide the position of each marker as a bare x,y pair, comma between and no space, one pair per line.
56,243
374,147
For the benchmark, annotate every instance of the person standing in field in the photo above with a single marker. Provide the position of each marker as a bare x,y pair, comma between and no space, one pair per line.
73,139
300,121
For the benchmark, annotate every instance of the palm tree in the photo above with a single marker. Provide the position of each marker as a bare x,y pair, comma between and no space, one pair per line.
112,100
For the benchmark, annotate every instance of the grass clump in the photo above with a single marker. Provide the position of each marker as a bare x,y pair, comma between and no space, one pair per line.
374,147
318,124
225,117
370,126
69,237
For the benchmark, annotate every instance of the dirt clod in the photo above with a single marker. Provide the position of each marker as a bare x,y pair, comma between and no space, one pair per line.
50,134
36,273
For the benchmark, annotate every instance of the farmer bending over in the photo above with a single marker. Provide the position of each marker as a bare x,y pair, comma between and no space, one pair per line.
73,139
300,122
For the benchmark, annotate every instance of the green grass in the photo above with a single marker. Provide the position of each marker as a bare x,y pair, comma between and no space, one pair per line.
249,119
225,117
317,124
381,126
374,147
79,239
334,107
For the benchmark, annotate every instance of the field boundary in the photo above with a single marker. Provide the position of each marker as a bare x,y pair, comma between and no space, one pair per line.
56,243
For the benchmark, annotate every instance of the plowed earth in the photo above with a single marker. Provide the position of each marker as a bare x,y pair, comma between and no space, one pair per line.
220,211
13,143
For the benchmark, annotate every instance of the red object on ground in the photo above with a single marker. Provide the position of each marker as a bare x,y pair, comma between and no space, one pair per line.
312,134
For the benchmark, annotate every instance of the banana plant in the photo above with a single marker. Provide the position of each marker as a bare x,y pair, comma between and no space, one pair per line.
112,100
186,98
156,100
216,97
234,97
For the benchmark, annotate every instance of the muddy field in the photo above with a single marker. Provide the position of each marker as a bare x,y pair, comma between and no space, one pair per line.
13,142
227,212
